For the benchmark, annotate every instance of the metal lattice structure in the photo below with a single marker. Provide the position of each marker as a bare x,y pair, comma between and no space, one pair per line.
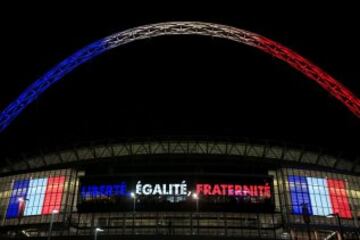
271,47
243,151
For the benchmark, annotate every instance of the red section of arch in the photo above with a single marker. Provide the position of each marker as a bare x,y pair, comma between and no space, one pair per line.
313,72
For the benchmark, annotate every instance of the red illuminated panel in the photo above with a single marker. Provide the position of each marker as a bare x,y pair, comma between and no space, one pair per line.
53,194
339,198
234,190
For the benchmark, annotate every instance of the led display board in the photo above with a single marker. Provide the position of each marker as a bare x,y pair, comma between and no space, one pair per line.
167,193
322,196
35,196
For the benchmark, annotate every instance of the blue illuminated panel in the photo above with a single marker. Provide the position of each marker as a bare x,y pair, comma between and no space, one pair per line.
319,196
17,198
92,192
35,196
299,192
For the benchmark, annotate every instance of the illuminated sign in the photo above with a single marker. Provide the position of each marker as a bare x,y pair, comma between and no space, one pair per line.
323,196
103,191
161,188
234,190
35,196
174,193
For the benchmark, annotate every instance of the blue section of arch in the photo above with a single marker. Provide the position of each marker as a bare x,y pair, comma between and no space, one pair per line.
48,79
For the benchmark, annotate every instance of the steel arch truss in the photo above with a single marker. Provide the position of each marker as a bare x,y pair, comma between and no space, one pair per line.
275,49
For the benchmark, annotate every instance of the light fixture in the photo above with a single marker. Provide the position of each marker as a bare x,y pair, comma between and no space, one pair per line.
97,230
331,215
25,233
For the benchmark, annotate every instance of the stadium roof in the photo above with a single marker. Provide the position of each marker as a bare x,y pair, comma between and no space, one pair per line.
244,150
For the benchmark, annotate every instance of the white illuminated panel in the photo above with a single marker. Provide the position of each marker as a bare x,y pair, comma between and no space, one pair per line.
35,196
319,196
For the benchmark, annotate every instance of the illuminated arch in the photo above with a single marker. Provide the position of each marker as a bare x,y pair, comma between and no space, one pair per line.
275,49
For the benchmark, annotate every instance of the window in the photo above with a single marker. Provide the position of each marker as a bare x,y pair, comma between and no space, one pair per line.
299,194
53,194
35,196
322,196
339,198
319,196
17,199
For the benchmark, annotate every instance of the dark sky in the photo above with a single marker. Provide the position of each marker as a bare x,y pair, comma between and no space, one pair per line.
179,86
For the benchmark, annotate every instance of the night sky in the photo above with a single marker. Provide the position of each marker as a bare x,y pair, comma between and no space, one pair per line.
182,86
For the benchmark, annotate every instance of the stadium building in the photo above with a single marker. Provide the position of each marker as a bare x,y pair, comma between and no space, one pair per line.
181,188
184,189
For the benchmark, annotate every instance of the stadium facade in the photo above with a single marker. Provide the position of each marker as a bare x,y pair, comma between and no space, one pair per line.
181,189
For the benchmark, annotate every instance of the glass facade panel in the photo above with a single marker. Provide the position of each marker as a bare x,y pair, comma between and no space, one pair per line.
323,196
35,196
53,195
319,196
339,198
29,198
17,199
300,196
42,192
